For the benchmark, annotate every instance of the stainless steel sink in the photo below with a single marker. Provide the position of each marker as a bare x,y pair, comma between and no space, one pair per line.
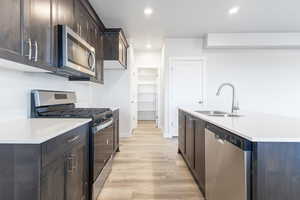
216,113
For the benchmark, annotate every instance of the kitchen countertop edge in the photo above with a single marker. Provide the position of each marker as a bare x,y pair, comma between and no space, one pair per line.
237,132
46,134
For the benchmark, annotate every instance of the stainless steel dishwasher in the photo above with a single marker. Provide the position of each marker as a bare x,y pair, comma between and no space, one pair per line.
228,165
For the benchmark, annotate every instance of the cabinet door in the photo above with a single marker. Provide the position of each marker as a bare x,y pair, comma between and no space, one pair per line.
99,58
190,141
65,12
76,173
10,23
39,29
53,180
81,25
200,153
181,132
116,134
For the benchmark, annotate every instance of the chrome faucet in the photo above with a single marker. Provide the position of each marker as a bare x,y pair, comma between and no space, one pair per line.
235,106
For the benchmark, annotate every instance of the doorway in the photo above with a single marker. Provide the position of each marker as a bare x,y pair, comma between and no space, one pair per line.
148,92
186,87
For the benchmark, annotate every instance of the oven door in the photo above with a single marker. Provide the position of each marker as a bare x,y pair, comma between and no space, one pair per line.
76,54
103,147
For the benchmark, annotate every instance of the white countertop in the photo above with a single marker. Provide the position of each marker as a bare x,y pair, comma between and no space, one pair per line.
36,131
115,108
255,127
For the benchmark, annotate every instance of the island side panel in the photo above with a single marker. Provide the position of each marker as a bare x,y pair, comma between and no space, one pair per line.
19,171
276,171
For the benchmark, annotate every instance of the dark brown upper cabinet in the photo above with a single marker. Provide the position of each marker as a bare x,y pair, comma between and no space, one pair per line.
65,13
115,49
87,27
38,31
11,33
26,35
29,34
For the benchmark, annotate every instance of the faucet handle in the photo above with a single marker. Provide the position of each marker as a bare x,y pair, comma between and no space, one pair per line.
237,106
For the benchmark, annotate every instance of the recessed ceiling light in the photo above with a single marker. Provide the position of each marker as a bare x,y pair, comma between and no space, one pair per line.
233,10
148,46
148,11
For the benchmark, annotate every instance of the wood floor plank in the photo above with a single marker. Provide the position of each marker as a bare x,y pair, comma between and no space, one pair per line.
149,168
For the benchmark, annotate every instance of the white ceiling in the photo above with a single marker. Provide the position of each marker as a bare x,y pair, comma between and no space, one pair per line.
194,18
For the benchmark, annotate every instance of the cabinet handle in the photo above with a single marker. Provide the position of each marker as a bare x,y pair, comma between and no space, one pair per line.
36,51
80,29
70,164
73,139
107,142
29,49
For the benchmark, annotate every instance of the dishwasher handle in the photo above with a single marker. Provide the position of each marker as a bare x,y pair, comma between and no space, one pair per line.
219,139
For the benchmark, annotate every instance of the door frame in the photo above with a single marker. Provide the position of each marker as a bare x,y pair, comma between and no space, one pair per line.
170,98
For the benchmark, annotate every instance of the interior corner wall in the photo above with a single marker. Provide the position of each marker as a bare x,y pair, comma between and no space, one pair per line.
162,90
191,47
116,94
16,86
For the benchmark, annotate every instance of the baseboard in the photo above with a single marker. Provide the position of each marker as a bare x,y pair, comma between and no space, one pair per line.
125,134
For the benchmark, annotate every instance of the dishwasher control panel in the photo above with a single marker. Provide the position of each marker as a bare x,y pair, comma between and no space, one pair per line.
222,134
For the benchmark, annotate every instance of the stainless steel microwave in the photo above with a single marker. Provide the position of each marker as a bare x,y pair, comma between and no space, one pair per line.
76,56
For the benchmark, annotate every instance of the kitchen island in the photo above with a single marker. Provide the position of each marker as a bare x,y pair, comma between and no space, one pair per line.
274,150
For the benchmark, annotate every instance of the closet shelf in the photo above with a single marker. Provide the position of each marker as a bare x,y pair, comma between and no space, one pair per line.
147,83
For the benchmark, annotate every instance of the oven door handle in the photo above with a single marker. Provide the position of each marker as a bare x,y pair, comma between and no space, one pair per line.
102,126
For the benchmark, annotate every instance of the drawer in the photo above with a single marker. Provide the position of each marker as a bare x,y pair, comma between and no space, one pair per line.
57,146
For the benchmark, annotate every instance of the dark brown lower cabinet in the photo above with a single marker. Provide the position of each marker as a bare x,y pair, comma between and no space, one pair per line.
116,131
53,179
76,174
54,170
191,144
190,141
276,171
200,153
181,131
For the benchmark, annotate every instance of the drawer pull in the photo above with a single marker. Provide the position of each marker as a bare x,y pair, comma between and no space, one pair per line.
73,139
71,163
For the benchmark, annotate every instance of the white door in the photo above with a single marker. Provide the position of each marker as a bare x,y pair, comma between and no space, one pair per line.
186,88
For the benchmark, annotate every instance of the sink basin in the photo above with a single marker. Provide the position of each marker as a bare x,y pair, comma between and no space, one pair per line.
215,113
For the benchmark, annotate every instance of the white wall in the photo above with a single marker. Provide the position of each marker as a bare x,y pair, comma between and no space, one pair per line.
267,80
116,93
15,88
148,58
176,48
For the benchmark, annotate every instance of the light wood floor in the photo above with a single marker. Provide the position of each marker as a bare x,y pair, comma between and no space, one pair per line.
149,168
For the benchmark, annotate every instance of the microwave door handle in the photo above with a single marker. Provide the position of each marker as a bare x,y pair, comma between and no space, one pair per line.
92,65
94,61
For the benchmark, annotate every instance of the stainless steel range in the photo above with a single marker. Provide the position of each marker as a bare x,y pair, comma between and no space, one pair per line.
58,104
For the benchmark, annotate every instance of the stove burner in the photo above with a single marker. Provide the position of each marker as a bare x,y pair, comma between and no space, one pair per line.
95,113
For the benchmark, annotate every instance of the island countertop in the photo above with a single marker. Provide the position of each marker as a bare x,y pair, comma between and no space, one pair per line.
36,131
255,127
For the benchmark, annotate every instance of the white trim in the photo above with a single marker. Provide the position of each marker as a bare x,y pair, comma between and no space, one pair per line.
170,88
